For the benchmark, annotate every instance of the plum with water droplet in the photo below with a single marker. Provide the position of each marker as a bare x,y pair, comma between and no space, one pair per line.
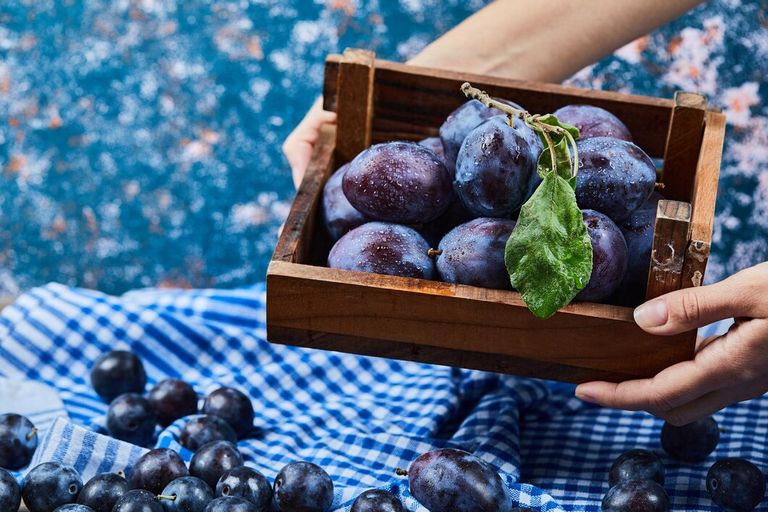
448,479
436,145
339,215
493,169
593,122
462,121
636,496
118,372
636,465
383,248
473,253
18,441
401,182
303,487
615,177
50,485
609,257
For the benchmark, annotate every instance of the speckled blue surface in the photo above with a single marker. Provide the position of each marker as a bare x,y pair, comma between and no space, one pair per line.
140,139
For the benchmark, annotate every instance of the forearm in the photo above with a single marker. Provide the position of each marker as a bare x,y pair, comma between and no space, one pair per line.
546,41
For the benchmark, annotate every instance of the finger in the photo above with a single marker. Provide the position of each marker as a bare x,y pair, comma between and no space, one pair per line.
300,142
672,387
710,403
298,157
690,308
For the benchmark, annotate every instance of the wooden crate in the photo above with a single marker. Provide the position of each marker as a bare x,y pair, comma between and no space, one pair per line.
403,318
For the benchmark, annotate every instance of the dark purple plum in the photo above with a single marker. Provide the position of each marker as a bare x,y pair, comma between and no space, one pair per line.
74,507
435,230
736,484
636,496
448,479
172,399
247,483
156,469
609,257
436,145
638,233
10,492
138,500
303,487
130,418
214,459
493,169
401,182
231,504
473,253
377,500
692,442
205,428
338,214
636,465
50,485
185,494
593,122
463,120
102,492
526,132
118,372
383,248
18,441
615,177
234,407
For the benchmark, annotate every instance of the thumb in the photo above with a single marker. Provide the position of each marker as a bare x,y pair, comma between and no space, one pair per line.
690,308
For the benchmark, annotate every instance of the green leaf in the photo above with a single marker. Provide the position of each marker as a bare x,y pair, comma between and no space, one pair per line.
561,148
552,120
549,255
562,160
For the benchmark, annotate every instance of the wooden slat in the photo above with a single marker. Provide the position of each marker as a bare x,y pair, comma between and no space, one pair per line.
442,356
355,103
707,175
695,264
415,100
309,305
670,241
681,155
299,228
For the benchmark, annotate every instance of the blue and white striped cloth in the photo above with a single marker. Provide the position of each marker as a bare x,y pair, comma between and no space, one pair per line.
360,418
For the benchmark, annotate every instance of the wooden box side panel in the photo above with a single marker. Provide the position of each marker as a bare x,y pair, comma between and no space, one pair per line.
411,101
703,200
456,318
438,355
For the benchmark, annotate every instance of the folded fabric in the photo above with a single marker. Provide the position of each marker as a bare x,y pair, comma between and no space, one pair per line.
359,418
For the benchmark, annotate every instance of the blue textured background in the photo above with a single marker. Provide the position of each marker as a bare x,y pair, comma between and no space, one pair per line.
140,140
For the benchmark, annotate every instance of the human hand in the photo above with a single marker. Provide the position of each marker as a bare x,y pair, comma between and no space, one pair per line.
301,141
726,369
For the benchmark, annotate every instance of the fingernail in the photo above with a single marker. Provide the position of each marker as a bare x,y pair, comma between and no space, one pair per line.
651,314
584,395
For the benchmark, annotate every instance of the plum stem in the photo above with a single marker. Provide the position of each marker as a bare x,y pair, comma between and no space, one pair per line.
434,252
172,497
401,472
660,186
32,433
532,120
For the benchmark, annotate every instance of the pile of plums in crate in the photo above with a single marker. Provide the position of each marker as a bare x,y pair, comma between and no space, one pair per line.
218,478
445,207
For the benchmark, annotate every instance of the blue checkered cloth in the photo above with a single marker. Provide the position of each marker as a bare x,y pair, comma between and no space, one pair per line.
358,417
